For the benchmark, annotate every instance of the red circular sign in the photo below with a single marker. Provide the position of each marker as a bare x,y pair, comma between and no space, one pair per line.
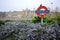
40,15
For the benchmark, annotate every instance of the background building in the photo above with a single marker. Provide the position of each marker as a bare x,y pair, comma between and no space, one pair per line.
23,15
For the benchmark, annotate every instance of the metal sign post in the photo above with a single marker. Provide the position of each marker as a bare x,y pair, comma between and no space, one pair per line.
41,20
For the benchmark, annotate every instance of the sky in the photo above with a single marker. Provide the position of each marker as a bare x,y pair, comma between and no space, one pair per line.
17,5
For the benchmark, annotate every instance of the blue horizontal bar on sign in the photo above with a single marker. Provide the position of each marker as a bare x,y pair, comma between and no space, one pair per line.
42,11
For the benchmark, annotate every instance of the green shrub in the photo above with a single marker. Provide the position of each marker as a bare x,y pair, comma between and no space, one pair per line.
36,19
1,22
58,20
51,21
45,19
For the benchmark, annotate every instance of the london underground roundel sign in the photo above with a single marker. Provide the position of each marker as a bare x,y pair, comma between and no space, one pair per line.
42,13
